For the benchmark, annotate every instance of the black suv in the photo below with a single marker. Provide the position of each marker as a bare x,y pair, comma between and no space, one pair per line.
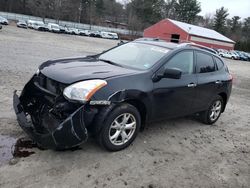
112,95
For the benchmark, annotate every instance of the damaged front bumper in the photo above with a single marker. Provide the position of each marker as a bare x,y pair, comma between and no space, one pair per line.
70,133
46,129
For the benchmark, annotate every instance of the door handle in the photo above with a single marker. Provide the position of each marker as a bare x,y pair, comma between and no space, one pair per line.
191,85
218,82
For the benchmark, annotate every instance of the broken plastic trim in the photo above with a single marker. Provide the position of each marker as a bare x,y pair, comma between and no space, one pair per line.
70,133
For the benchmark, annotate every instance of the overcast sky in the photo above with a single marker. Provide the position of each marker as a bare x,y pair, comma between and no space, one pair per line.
235,7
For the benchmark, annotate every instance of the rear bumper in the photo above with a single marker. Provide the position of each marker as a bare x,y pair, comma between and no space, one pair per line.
67,134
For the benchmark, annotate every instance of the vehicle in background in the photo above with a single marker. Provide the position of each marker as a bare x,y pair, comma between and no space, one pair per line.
55,28
71,31
84,32
247,55
106,35
40,26
242,56
95,34
4,21
109,35
22,24
115,36
235,56
68,30
75,31
225,54
62,29
32,23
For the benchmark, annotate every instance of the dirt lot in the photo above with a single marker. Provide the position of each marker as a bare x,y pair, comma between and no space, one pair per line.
173,153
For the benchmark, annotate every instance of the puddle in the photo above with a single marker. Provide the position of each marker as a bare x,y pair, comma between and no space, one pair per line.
22,148
14,148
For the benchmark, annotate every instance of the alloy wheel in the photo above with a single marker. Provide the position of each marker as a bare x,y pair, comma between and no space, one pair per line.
122,129
215,110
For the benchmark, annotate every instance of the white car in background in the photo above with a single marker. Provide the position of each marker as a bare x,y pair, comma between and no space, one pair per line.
32,23
115,36
84,32
106,35
22,24
4,21
55,28
109,35
40,26
72,31
234,55
75,31
225,54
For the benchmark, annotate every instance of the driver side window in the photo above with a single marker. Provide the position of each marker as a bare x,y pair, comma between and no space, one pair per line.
183,61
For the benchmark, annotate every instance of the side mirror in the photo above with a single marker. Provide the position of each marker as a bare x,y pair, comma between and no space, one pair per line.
172,73
167,73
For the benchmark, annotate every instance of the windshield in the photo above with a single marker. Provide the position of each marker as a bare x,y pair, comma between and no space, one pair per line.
136,55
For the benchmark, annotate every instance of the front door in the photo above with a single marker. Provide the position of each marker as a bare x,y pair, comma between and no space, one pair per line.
174,97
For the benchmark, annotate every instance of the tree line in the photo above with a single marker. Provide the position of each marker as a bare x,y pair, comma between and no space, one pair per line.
137,14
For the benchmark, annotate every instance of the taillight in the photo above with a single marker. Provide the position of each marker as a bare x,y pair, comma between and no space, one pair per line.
231,77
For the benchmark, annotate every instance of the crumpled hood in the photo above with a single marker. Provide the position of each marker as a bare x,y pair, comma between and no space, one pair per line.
68,71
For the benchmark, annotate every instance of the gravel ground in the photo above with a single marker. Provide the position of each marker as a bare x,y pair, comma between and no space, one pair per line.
174,153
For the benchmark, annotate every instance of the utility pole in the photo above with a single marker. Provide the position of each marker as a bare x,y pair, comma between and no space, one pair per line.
90,14
80,12
58,10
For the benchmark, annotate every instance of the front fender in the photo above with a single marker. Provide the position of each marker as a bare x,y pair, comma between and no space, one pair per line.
122,96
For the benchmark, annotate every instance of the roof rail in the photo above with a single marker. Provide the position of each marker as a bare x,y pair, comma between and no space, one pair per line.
191,44
150,39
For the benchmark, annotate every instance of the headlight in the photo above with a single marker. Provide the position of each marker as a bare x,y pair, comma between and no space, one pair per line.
83,91
37,72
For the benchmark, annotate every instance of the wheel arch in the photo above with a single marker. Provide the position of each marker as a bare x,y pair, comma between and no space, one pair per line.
141,107
105,111
224,97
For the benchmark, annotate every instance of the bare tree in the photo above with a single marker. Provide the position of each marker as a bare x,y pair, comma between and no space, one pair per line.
39,7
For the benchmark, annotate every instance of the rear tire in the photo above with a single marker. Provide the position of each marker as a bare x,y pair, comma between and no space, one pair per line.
120,128
212,114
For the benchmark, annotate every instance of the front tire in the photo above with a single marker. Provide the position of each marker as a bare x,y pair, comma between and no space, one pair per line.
212,114
120,128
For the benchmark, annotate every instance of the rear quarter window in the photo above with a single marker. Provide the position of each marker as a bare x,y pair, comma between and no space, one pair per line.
219,63
205,63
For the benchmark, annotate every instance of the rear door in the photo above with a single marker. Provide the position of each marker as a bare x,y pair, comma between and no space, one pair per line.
174,97
207,80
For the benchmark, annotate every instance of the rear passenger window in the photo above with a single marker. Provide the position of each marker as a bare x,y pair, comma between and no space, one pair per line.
219,63
205,63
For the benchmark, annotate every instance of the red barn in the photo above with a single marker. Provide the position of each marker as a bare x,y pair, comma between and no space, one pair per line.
175,31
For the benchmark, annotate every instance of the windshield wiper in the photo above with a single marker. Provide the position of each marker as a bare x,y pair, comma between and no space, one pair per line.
110,62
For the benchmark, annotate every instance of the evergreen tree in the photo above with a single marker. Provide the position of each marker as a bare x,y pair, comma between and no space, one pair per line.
186,11
220,20
149,12
235,24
